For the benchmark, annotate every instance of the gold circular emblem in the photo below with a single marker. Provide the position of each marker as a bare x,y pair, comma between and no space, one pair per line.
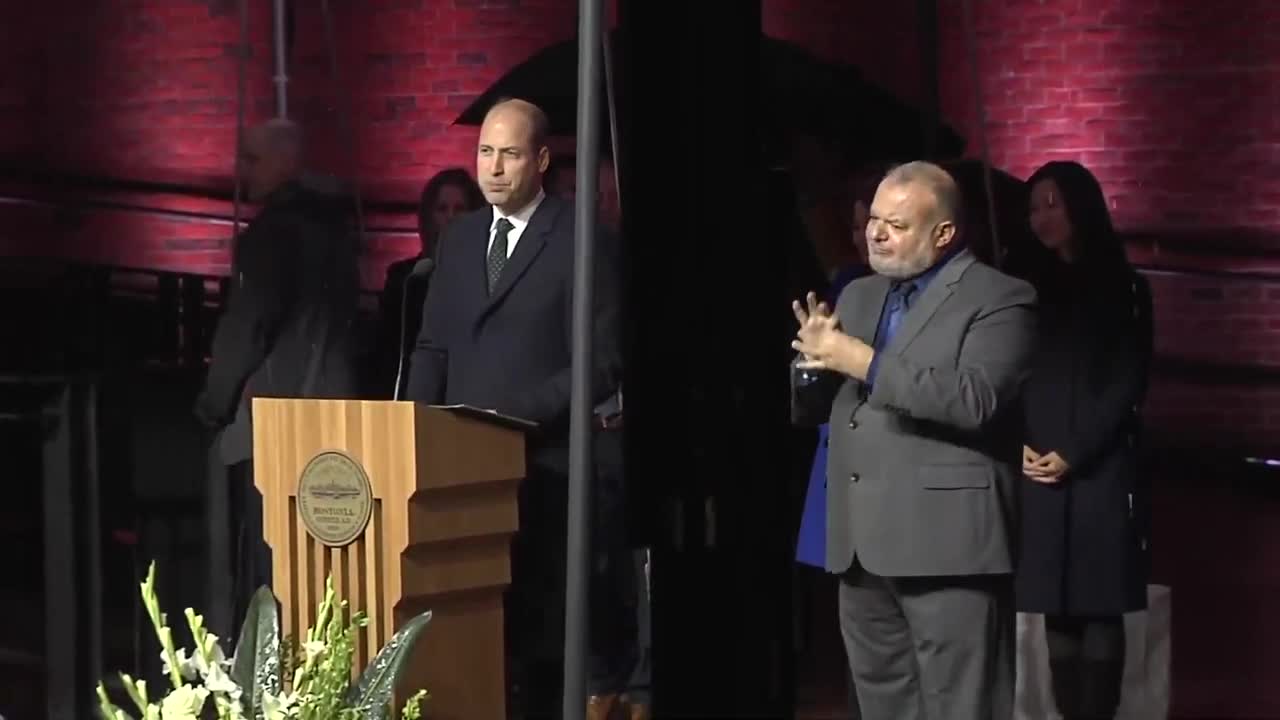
334,498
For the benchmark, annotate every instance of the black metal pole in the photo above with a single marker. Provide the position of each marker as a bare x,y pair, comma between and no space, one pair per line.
64,689
280,27
611,97
577,600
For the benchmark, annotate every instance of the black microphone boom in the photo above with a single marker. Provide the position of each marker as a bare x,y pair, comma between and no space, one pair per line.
421,269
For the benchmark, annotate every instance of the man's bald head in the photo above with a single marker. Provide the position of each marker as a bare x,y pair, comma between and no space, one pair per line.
913,219
270,156
936,180
512,154
535,119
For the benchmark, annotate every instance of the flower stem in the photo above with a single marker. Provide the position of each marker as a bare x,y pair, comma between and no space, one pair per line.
158,621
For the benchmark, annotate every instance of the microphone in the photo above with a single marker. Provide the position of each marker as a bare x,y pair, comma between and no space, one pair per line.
421,269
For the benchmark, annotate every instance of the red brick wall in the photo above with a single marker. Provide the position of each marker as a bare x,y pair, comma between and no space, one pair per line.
126,88
145,90
878,38
1176,106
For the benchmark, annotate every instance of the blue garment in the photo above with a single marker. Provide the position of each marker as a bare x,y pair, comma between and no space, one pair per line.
811,545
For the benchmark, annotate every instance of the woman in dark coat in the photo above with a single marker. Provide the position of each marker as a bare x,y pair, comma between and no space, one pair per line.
448,194
1085,559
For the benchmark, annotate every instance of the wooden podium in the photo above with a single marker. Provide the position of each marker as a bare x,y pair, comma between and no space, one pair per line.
427,527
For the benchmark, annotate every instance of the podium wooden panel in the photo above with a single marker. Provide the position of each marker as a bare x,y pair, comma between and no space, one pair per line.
438,538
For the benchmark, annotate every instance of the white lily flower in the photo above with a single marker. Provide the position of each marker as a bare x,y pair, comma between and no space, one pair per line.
218,681
188,667
214,649
184,703
278,707
210,657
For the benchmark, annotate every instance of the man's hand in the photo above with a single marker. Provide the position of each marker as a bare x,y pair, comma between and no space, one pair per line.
823,346
814,319
1048,468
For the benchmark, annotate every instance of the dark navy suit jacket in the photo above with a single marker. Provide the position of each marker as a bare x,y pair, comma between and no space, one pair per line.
510,351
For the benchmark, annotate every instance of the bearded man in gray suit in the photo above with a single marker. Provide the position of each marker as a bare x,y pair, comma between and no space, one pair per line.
919,372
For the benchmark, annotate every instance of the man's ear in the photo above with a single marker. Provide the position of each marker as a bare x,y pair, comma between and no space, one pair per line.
944,234
544,159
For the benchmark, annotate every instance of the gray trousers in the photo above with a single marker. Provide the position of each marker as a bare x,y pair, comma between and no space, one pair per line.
929,648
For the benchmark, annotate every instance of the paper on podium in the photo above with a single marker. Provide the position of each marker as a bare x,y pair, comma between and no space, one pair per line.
492,416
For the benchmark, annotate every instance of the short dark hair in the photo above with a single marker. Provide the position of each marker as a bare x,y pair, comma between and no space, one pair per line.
942,185
540,125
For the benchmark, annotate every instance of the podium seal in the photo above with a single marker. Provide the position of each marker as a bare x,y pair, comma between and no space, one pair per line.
335,498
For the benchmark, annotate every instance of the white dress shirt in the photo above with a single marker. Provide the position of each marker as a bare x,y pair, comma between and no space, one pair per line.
519,221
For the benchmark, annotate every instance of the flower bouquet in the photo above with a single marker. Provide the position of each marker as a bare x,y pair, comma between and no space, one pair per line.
250,686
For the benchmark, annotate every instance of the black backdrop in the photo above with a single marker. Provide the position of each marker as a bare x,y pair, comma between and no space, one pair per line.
707,412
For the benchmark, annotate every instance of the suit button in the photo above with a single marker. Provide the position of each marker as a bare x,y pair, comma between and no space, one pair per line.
853,478
853,424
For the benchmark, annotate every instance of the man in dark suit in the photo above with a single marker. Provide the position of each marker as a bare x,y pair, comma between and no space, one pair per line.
919,372
286,327
496,334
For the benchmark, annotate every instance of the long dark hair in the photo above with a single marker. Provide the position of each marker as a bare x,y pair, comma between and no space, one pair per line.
451,177
1100,259
1099,293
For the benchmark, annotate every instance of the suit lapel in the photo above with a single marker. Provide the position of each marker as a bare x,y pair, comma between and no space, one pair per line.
530,245
868,308
472,257
927,304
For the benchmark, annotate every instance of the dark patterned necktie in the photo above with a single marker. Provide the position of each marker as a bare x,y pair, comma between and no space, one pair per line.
498,252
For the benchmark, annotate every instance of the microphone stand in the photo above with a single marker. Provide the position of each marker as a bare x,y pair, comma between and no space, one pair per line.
404,300
420,270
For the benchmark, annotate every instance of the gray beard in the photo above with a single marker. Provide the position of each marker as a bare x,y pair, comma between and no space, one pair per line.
898,271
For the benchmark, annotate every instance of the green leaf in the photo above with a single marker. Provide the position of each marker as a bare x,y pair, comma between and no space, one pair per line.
372,695
256,665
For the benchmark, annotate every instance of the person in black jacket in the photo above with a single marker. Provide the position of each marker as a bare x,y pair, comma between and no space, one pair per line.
1084,551
286,326
447,195
496,333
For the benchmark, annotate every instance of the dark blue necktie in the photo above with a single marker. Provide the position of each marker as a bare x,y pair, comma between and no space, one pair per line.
898,304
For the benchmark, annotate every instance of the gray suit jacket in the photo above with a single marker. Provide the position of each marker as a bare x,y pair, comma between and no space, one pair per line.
922,467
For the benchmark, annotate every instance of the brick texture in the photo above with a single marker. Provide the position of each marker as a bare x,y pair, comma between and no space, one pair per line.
147,90
879,39
1176,106
129,89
